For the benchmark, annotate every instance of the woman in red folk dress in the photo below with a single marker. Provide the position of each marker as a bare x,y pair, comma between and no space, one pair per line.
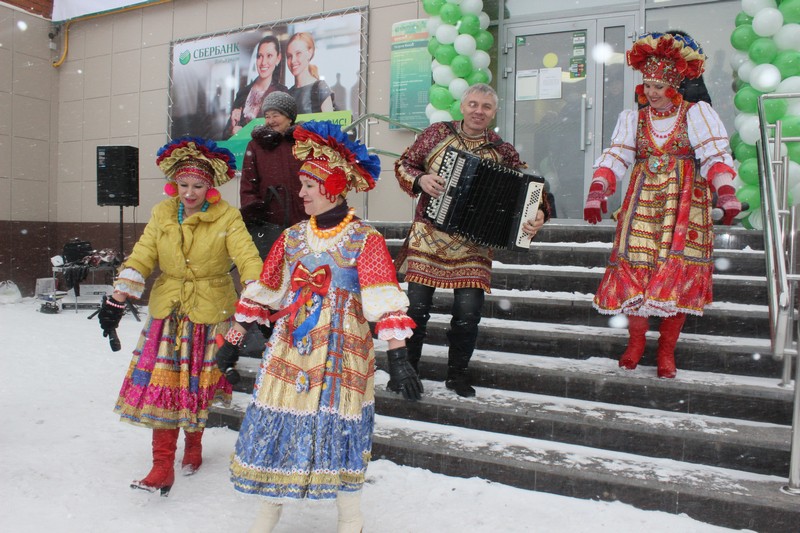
661,261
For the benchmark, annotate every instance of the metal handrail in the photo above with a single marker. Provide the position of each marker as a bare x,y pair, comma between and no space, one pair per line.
780,226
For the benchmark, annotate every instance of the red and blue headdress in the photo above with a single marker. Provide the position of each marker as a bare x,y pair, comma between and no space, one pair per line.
332,158
666,58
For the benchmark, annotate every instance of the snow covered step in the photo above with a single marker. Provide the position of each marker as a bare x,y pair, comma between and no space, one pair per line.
727,288
750,446
715,495
595,254
712,353
721,318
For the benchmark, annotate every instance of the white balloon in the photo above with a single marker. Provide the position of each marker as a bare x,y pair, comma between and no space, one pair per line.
737,58
745,69
767,22
765,78
741,118
784,148
480,59
440,115
446,33
789,85
457,87
794,174
794,108
750,131
484,20
434,64
465,45
488,74
443,75
433,24
788,37
429,109
472,7
751,7
756,219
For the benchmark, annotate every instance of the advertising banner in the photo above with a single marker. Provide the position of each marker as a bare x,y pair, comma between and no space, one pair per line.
218,82
410,73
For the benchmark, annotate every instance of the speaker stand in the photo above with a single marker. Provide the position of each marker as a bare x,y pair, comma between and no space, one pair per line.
128,304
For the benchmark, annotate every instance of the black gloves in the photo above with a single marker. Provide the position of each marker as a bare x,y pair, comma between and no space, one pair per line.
402,374
110,314
227,356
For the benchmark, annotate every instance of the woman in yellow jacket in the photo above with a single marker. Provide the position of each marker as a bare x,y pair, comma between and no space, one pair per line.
193,238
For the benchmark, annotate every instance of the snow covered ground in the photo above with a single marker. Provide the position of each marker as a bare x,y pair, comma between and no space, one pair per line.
67,461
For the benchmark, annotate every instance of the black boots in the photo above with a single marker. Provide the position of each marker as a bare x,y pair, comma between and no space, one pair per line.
458,381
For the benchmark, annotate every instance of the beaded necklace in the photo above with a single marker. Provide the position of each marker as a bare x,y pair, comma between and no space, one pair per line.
664,113
662,134
334,231
181,210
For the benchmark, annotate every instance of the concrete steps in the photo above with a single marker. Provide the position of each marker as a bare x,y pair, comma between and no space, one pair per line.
555,413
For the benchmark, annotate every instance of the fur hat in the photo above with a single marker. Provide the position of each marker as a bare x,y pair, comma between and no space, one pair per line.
330,157
281,102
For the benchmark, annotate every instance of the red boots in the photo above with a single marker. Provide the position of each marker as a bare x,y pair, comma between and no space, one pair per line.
192,452
162,475
670,330
637,328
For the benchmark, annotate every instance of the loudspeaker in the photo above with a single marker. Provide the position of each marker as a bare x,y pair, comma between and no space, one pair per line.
118,175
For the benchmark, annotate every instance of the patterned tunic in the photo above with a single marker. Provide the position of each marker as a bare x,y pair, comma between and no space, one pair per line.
307,432
661,261
429,256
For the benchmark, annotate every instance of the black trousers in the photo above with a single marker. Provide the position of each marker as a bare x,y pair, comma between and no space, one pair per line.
463,332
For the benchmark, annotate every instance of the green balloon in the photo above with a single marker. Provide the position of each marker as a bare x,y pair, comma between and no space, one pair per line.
445,53
743,18
794,151
775,109
433,45
749,194
455,110
736,139
450,13
461,65
746,99
763,50
788,62
791,127
477,76
744,151
440,97
748,171
743,36
484,40
432,7
470,25
790,10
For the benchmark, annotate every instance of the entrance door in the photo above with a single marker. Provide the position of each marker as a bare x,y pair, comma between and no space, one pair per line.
566,83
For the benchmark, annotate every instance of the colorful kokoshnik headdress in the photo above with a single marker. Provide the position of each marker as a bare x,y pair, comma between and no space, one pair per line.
196,158
666,58
332,158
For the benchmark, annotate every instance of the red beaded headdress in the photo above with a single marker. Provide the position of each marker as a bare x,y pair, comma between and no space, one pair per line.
666,58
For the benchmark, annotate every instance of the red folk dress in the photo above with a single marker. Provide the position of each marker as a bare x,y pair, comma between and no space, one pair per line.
661,262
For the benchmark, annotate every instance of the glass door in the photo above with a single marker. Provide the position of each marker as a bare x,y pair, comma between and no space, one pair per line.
565,84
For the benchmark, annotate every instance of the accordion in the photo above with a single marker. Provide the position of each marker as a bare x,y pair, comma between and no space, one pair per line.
484,201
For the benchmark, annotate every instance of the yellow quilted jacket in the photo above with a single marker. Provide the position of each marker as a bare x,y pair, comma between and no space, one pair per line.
195,259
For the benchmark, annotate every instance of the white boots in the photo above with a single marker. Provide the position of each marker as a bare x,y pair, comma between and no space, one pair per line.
348,504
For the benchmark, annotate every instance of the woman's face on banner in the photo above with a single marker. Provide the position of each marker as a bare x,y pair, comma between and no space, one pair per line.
298,56
266,60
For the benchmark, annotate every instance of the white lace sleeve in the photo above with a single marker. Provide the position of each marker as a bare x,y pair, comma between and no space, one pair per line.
708,137
622,151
